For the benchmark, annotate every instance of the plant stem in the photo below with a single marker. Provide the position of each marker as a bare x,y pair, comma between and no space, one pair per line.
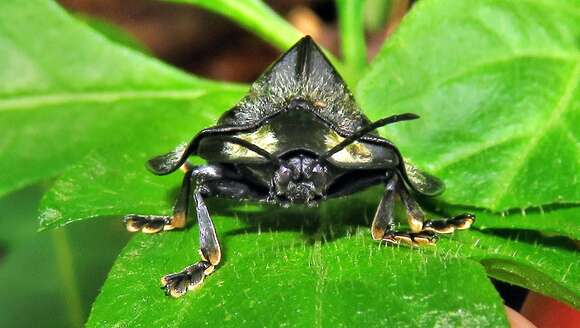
64,262
352,43
259,18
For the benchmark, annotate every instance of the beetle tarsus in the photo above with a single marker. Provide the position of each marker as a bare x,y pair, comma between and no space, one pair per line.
146,223
448,225
177,284
410,238
423,232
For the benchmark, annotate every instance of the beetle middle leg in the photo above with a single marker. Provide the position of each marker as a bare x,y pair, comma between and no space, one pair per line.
417,221
383,222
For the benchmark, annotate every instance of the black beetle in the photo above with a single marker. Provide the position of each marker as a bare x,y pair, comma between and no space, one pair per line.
298,136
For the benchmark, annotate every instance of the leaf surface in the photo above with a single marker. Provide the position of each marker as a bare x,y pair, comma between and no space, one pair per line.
72,90
278,277
550,221
497,87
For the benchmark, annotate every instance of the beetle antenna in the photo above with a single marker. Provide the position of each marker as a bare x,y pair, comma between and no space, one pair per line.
363,131
246,144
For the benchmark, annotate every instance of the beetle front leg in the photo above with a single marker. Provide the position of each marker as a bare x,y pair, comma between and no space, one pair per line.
156,223
177,284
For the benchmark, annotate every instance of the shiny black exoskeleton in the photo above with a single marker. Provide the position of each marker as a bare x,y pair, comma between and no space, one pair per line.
298,136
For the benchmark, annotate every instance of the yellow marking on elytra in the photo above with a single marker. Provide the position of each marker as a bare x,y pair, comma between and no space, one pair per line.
448,229
201,255
464,225
196,285
353,153
263,138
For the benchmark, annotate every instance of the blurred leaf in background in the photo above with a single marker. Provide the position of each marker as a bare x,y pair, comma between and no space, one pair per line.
50,279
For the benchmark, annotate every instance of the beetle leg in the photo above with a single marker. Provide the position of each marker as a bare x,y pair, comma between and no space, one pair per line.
417,221
383,220
448,225
383,223
156,223
177,284
415,215
410,238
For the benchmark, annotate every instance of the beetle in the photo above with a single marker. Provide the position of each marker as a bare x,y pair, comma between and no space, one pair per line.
297,137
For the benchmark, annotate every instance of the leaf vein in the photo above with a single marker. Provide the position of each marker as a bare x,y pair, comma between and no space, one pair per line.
34,101
486,63
468,152
561,106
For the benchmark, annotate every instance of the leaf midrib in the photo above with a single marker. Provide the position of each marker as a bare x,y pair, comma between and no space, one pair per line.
555,56
35,101
468,152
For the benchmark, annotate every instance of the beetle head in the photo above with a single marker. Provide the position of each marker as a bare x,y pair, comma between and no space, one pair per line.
299,179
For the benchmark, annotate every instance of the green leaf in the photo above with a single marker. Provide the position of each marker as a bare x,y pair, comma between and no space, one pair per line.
550,220
496,85
116,182
72,90
548,265
352,35
279,277
376,14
